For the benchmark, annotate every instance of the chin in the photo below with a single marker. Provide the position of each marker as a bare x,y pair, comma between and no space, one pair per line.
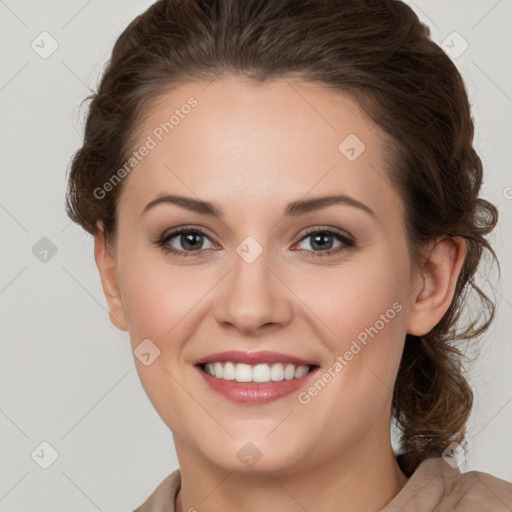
253,455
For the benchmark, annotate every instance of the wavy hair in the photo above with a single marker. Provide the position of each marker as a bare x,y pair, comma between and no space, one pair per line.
379,53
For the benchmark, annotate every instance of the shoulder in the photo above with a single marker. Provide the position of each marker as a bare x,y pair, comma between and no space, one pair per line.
435,485
483,492
163,497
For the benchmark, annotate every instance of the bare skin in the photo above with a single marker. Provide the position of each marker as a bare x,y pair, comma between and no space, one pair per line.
251,149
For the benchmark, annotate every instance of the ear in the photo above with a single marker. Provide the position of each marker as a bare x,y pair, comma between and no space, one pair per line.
439,274
106,264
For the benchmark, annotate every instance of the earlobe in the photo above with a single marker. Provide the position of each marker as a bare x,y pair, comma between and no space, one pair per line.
108,273
439,272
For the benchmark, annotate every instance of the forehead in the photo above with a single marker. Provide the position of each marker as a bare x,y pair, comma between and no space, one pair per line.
245,143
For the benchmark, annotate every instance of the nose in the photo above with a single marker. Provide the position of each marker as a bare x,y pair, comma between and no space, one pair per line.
254,295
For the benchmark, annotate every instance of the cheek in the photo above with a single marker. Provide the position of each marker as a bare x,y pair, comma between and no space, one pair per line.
363,305
160,298
353,296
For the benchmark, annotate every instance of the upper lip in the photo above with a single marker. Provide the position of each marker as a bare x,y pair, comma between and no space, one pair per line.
253,358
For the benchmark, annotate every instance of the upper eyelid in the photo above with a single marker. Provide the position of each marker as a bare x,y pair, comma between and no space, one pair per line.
332,231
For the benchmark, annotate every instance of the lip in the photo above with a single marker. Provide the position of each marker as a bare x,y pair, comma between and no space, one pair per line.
253,358
250,393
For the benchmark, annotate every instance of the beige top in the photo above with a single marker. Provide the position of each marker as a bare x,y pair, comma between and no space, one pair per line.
434,487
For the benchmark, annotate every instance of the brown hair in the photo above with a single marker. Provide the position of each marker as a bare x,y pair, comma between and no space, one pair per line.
380,53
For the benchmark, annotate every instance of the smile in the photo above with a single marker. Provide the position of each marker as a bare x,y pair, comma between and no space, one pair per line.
258,384
256,373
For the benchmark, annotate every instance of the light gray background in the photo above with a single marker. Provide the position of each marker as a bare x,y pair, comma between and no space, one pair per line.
67,375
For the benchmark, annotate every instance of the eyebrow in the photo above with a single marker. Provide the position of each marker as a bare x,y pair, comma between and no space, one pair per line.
293,209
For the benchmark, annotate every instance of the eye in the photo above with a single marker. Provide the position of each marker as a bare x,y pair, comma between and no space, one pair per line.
322,241
191,239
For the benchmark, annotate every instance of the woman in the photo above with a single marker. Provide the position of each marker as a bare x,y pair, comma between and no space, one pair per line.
284,203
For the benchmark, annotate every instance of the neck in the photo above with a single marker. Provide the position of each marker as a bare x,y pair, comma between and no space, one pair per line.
363,478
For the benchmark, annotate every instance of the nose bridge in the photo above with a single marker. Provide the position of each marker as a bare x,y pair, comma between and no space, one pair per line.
251,276
253,296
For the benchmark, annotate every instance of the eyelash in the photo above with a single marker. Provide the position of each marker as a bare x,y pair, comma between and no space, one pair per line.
164,239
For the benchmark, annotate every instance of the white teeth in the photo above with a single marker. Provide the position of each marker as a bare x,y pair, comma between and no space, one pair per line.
218,368
243,372
277,372
289,371
229,371
258,373
301,371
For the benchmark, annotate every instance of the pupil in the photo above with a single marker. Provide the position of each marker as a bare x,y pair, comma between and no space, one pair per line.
187,239
321,245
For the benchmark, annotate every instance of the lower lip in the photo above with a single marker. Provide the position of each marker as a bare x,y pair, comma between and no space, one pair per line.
255,393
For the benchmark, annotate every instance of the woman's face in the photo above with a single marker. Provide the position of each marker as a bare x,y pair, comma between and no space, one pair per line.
254,281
